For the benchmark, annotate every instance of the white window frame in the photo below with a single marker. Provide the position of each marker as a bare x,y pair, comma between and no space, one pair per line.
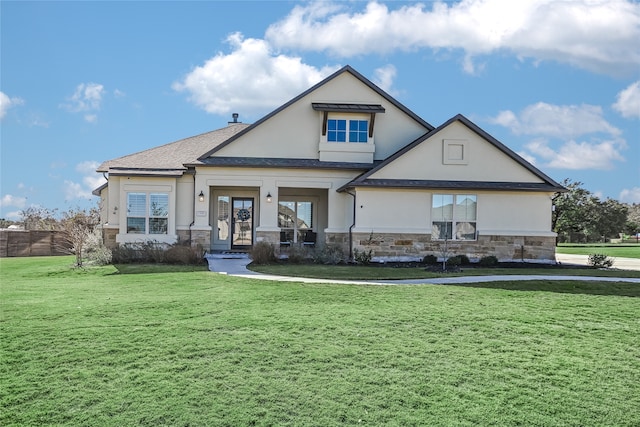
454,231
149,216
297,232
348,118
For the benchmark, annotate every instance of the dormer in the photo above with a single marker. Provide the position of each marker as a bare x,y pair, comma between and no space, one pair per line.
347,133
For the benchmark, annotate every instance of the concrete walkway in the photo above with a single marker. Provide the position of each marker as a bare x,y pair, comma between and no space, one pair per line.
236,265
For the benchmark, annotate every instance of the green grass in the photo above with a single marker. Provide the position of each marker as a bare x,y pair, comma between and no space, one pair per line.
100,347
613,250
350,272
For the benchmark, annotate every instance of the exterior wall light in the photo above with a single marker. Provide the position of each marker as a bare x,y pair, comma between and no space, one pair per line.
201,196
269,198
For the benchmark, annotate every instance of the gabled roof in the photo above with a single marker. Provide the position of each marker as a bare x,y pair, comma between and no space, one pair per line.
170,159
364,181
345,69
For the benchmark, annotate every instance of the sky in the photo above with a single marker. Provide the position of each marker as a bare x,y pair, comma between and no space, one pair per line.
82,82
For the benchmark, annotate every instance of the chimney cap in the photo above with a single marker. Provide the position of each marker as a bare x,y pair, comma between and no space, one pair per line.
235,118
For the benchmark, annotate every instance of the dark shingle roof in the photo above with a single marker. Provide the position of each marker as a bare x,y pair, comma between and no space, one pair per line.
452,185
262,162
348,108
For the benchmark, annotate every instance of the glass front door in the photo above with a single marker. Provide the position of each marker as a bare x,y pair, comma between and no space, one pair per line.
242,223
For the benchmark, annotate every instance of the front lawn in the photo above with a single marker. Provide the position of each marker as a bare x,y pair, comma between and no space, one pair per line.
101,347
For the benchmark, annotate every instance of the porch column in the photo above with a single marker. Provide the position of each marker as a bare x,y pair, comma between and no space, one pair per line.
268,229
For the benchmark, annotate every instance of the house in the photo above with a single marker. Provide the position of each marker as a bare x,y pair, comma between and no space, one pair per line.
344,163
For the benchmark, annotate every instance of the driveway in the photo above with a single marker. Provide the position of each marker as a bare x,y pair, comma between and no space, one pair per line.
620,263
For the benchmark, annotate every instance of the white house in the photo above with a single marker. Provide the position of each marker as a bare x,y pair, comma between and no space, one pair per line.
342,163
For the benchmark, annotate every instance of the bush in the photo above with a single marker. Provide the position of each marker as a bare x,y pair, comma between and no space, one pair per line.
488,261
95,251
362,257
464,260
454,261
183,254
328,255
297,254
263,253
600,261
430,259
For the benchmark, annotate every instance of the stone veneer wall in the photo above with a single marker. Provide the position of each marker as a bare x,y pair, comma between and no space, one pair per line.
408,247
200,238
109,237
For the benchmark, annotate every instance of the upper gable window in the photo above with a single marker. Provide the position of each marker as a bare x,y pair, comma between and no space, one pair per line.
343,130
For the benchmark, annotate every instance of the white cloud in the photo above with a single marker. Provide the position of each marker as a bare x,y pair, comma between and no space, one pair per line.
87,98
13,215
384,76
631,195
556,130
13,201
90,181
578,155
561,121
250,80
597,35
628,101
6,103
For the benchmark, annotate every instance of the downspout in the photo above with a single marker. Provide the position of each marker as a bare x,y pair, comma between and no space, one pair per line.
351,227
193,215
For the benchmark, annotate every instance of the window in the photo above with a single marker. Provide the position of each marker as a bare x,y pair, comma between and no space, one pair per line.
295,218
453,221
147,213
337,130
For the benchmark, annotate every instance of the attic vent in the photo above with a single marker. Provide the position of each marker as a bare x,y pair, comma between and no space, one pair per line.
235,118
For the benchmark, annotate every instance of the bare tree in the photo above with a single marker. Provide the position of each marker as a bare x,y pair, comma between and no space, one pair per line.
77,226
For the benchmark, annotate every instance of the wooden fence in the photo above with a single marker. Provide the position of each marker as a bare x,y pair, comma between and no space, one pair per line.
23,243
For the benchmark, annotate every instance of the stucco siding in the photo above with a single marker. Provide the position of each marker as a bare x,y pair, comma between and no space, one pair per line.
510,213
393,210
295,131
482,161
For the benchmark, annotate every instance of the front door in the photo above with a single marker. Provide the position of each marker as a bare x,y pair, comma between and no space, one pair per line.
242,223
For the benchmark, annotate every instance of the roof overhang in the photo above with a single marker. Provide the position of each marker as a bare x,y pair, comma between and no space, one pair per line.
452,185
282,163
347,108
146,172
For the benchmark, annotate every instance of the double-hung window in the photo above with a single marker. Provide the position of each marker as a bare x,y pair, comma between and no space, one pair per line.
453,217
147,213
342,130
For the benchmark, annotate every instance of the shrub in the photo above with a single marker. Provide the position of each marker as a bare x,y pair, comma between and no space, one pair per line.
489,261
297,254
464,260
142,252
430,259
362,257
263,253
328,255
183,254
95,251
600,261
454,261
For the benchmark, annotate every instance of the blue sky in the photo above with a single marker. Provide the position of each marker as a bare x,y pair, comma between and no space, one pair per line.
83,82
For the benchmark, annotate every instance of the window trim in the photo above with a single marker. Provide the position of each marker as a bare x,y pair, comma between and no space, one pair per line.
455,220
297,238
148,214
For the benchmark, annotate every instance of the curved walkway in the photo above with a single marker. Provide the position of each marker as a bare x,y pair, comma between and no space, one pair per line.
236,265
